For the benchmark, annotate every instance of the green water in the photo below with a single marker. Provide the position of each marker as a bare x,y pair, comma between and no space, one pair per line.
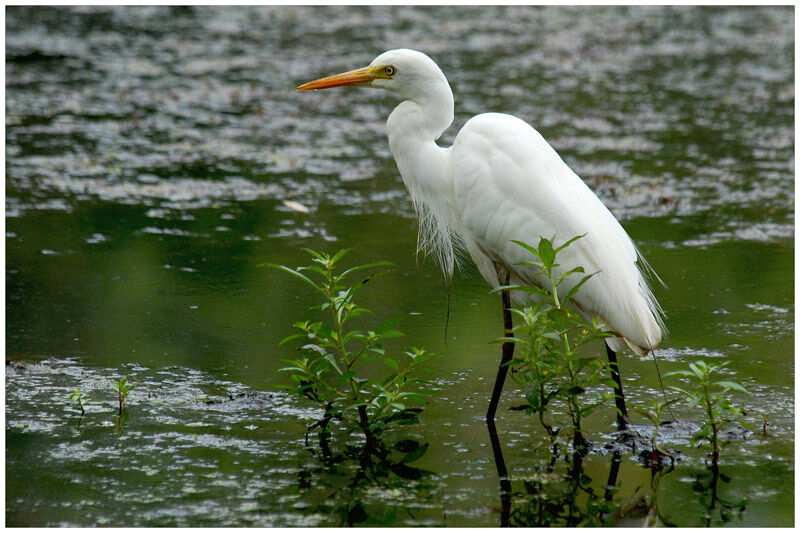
148,153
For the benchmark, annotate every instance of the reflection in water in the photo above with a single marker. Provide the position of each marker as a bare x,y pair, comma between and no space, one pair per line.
714,510
351,478
706,485
565,499
502,473
551,498
641,510
562,494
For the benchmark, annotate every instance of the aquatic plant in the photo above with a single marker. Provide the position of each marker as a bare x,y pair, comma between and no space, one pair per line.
77,398
122,388
551,365
330,373
713,398
653,413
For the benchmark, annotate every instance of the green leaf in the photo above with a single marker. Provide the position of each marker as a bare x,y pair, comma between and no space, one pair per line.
502,288
644,412
292,369
314,268
685,373
531,263
363,267
345,376
678,389
546,252
294,273
418,397
569,242
355,334
574,290
330,358
355,405
321,256
503,340
421,356
528,247
409,416
731,385
291,337
339,255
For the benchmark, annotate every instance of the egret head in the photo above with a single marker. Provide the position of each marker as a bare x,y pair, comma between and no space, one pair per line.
405,72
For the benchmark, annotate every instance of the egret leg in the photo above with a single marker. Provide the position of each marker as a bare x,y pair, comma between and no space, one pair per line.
502,473
508,353
613,472
619,397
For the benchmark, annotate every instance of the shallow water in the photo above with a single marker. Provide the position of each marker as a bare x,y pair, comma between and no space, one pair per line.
149,152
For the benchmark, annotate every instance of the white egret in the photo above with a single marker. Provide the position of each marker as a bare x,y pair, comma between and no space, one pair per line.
501,181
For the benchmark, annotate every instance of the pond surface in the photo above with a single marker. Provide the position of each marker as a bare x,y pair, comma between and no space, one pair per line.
152,155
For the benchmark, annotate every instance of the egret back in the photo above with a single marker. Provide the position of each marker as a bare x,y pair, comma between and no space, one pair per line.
510,184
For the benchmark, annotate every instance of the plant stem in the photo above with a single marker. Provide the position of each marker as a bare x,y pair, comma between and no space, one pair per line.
711,419
364,423
339,325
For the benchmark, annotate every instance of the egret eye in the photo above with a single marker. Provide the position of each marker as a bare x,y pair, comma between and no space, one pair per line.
389,70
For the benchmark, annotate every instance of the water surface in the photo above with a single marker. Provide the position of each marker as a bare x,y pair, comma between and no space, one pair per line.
149,152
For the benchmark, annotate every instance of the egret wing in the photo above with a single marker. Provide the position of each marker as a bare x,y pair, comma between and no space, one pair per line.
510,184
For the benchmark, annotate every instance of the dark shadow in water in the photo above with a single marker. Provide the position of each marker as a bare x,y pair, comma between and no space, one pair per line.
562,493
706,485
345,481
713,511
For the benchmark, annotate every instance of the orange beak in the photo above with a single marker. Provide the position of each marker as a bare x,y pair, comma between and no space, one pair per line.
354,77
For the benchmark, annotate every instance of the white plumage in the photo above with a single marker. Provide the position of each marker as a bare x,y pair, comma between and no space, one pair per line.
501,181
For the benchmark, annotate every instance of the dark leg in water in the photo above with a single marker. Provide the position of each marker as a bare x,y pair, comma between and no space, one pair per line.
508,353
619,397
613,472
502,473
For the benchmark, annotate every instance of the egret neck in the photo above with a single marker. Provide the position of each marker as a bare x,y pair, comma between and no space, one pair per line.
413,128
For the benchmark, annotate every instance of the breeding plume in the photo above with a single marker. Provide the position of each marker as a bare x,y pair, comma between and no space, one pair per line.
500,182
